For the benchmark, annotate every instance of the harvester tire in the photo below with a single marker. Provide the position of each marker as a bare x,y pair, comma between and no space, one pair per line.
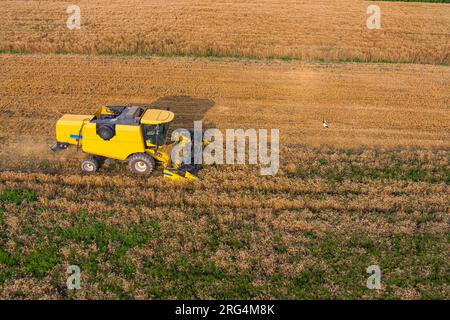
141,164
90,165
100,161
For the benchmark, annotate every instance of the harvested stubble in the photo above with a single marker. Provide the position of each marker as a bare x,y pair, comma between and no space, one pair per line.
382,105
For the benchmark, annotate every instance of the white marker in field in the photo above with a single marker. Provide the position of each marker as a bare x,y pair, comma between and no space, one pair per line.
374,20
325,124
74,20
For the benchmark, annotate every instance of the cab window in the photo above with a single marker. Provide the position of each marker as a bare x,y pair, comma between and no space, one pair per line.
155,134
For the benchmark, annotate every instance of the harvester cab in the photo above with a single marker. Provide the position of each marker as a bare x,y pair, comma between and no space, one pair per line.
133,134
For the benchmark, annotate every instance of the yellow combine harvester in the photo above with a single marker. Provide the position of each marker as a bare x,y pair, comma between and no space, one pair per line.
126,133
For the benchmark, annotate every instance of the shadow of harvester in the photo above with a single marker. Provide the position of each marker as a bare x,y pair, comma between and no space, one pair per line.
186,109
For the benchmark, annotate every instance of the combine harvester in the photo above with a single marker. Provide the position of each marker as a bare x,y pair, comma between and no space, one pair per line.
126,133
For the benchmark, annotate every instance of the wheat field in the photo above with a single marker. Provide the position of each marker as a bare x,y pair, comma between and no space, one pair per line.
306,30
372,189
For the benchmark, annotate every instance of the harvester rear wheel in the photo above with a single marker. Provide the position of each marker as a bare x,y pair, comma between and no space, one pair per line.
89,165
141,164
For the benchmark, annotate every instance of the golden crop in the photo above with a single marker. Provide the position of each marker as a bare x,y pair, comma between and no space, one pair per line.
307,30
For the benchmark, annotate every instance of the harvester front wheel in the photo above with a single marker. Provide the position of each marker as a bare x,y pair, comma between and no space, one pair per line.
90,165
141,164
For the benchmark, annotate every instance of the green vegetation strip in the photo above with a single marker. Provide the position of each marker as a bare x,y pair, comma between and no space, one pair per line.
218,55
84,230
18,196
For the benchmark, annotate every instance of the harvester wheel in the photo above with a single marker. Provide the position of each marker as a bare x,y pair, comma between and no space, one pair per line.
100,161
89,165
141,164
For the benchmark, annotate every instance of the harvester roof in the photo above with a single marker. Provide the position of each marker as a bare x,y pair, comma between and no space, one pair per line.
132,115
157,116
